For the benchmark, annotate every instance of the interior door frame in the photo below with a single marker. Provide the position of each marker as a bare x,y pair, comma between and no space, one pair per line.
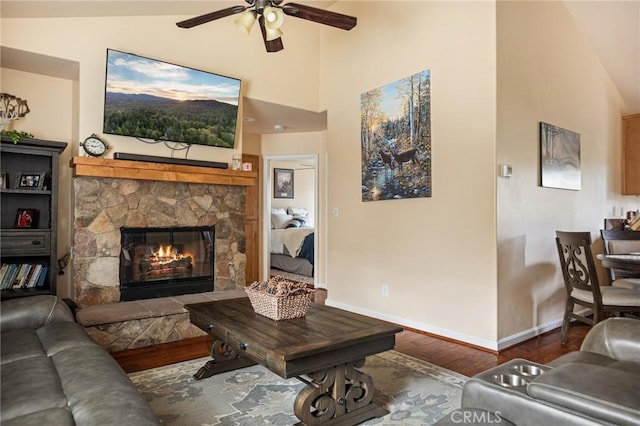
267,192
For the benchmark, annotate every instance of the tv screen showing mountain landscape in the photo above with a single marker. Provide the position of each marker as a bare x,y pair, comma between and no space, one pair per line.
151,99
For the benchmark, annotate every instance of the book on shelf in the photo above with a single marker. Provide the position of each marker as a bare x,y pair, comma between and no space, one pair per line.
34,276
10,276
43,276
22,275
27,270
19,275
3,274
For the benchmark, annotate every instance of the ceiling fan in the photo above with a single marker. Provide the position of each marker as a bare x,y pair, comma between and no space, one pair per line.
269,14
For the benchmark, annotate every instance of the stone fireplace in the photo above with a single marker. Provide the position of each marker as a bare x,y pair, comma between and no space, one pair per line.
167,261
157,196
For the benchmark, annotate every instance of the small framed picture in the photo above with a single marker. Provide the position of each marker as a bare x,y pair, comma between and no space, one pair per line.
30,180
282,183
3,180
26,218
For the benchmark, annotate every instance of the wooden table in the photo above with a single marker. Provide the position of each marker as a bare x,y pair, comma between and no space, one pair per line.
628,262
327,346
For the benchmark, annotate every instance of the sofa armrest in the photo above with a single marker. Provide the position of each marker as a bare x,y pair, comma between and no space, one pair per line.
33,312
617,338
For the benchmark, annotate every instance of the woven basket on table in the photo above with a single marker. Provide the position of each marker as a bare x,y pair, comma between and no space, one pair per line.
279,308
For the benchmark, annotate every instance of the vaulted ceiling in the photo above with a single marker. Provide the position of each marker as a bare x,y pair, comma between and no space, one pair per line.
612,27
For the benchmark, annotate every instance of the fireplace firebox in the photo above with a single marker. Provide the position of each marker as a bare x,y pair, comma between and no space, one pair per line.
161,262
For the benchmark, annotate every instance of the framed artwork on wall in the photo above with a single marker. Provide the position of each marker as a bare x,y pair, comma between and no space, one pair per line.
395,137
282,183
559,158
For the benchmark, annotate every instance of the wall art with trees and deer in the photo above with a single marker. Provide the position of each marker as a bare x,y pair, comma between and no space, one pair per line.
396,139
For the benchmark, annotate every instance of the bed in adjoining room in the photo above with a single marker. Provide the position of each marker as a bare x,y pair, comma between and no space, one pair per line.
292,242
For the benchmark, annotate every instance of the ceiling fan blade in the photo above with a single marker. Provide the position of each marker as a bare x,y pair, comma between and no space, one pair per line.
203,19
271,45
321,16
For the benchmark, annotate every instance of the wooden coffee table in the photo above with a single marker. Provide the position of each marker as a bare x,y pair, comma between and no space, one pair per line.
327,346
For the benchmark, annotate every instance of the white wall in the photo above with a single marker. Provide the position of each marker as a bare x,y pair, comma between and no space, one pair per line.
438,254
549,75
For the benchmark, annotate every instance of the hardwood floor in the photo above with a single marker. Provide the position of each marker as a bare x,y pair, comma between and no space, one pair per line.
470,361
455,356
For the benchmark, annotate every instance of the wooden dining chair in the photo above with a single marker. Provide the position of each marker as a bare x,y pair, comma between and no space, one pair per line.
581,284
622,242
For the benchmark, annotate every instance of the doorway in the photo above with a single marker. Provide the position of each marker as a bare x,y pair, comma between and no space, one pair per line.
290,245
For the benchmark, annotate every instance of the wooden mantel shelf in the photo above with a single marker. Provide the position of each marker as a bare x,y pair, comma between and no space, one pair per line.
124,169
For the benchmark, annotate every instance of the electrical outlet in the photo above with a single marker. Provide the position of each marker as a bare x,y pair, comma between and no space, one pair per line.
385,290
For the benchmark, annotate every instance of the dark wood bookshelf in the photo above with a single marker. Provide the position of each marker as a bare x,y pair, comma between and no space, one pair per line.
37,244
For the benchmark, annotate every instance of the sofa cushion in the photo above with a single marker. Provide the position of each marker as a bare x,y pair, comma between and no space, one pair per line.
60,336
30,385
615,338
97,388
583,357
24,313
24,344
605,393
628,366
51,416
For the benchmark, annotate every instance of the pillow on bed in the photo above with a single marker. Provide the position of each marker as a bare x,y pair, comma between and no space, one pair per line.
298,211
280,221
278,211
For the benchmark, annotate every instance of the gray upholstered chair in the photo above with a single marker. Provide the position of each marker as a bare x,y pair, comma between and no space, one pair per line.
583,288
622,242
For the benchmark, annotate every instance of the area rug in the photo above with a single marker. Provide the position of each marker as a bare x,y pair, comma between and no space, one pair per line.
413,391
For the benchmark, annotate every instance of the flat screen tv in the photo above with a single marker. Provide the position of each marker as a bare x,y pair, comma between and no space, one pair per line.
151,99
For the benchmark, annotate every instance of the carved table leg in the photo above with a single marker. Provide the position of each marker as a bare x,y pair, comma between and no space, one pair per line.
338,395
225,358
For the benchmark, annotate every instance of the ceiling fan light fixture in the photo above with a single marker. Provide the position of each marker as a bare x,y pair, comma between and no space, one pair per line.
273,18
272,33
245,21
270,16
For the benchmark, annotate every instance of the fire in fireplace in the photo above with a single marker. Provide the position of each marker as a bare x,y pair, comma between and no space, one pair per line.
160,262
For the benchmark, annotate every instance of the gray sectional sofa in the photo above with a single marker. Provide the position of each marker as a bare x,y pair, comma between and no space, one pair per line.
52,373
599,384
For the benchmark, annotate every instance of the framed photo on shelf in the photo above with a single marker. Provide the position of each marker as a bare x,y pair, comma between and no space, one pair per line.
26,219
3,180
30,180
282,183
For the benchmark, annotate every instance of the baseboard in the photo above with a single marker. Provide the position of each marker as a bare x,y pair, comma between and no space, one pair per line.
522,336
501,344
483,343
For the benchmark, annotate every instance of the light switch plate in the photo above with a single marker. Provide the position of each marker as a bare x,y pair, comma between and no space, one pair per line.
506,170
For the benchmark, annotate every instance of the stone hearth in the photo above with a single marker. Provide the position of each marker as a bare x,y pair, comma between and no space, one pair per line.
131,325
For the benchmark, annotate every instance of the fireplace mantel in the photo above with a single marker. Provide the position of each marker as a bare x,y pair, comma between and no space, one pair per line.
124,169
